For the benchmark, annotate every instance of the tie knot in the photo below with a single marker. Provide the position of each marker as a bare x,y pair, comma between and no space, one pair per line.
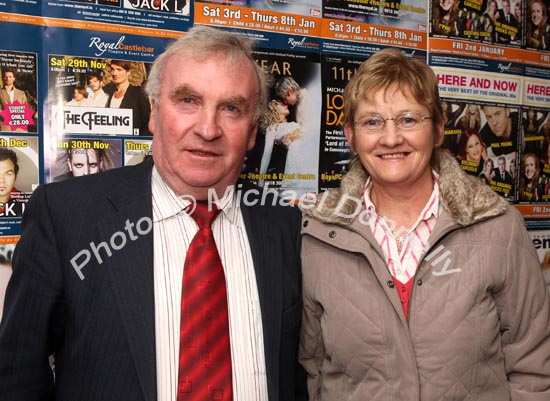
204,214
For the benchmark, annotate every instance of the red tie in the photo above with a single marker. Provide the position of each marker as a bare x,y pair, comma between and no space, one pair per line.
205,353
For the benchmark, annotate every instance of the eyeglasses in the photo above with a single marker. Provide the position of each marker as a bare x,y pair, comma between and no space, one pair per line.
405,121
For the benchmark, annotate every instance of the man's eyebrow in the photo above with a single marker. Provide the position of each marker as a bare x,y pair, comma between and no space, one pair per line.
237,100
183,90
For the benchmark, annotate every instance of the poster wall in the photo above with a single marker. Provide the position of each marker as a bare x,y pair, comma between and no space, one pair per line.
65,63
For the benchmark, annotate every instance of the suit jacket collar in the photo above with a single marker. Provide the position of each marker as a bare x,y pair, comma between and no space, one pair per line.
132,277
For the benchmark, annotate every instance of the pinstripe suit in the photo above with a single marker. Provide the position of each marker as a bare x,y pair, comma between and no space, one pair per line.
102,327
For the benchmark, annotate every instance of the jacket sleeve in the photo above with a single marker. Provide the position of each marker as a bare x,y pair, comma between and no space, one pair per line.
312,350
524,308
34,311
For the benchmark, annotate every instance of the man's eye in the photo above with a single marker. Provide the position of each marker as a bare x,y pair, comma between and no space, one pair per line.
79,165
187,100
93,165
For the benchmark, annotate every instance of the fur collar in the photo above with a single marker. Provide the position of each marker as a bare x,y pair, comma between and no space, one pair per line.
464,197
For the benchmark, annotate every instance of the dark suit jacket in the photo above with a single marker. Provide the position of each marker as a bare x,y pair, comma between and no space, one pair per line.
102,327
136,99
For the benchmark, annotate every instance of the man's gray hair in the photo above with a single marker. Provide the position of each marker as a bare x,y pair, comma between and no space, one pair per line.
201,42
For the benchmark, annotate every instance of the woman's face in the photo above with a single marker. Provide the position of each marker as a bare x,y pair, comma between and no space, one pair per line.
492,7
473,149
78,96
489,167
394,157
536,13
472,108
446,5
282,111
529,166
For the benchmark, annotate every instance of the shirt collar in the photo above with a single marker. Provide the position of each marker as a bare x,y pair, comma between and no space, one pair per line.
430,209
166,203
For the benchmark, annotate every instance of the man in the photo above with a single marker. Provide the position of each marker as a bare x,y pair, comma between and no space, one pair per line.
11,203
500,133
113,320
506,26
9,94
501,175
98,98
504,179
127,96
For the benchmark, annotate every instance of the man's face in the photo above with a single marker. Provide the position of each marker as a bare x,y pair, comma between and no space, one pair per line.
7,179
499,120
291,97
502,165
83,162
8,78
506,7
119,74
95,84
203,122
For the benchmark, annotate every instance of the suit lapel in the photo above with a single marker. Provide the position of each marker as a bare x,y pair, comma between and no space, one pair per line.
130,268
260,233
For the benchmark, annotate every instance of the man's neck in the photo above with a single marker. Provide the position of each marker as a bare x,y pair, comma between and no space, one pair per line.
9,88
121,87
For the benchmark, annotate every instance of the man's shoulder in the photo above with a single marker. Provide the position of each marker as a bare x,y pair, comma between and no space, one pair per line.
116,180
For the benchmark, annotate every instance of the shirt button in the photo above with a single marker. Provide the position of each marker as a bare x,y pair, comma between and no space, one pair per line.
390,284
403,300
419,282
306,223
332,234
403,289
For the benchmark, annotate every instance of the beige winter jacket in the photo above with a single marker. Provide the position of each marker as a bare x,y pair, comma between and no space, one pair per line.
479,313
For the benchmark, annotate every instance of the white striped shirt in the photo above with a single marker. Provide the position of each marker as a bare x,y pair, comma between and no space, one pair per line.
402,265
173,231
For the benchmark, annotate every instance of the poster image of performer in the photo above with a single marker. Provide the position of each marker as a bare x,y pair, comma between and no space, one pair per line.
98,96
334,157
537,33
484,140
491,21
18,173
76,157
535,166
286,153
18,100
136,150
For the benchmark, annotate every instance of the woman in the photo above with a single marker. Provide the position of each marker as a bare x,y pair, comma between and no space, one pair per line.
536,26
471,152
444,16
276,129
471,119
492,14
79,97
488,173
529,190
450,118
419,281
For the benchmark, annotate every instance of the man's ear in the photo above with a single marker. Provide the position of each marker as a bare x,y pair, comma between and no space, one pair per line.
152,116
252,139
